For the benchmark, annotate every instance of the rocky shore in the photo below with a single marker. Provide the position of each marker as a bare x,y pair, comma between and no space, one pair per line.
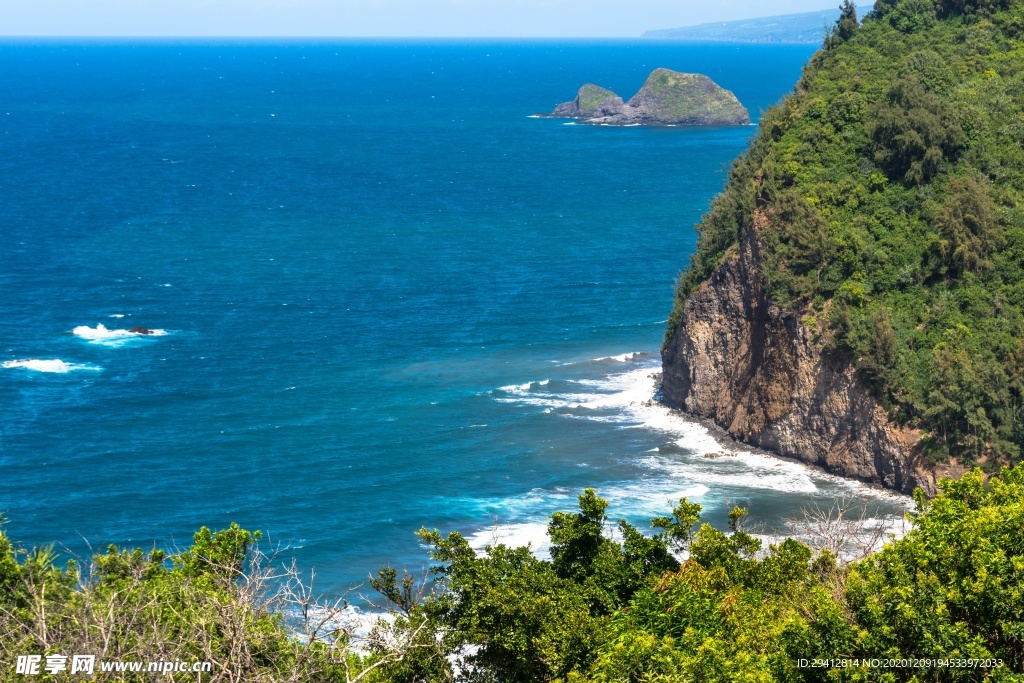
756,371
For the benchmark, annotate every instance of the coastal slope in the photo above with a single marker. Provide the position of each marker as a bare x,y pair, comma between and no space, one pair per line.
856,300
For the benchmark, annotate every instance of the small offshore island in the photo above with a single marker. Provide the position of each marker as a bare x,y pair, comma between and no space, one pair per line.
667,98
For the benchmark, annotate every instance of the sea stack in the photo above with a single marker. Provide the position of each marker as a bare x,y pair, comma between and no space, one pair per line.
667,98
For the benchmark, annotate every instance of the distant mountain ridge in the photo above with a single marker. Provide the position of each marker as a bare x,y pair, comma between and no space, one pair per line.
805,27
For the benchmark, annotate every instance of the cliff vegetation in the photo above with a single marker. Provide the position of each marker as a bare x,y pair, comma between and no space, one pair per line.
882,203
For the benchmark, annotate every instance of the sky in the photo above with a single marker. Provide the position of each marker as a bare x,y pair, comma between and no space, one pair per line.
377,18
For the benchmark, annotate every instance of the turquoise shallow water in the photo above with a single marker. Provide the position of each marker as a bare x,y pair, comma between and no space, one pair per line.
390,298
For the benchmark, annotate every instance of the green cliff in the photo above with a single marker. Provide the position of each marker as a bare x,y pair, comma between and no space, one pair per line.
857,296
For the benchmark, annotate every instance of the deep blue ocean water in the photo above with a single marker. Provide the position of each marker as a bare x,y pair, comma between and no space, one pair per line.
390,298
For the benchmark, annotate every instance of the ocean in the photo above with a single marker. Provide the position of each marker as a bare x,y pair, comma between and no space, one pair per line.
384,296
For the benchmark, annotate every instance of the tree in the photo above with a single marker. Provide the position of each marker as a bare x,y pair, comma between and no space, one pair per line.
968,226
914,132
847,23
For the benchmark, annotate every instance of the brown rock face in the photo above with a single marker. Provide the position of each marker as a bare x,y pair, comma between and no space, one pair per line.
757,372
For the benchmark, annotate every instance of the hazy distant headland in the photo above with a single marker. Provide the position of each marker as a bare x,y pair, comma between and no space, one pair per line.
805,27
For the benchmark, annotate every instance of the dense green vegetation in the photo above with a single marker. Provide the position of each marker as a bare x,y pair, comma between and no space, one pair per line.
602,610
675,96
889,188
590,96
605,608
209,603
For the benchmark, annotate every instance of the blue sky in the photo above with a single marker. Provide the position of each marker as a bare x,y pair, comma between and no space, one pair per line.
373,18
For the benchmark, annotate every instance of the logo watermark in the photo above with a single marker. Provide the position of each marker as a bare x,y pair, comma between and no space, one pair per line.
88,665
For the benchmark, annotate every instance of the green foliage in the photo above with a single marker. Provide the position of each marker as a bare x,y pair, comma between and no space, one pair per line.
968,225
954,586
674,96
525,622
733,611
600,611
913,132
205,603
533,620
884,199
590,96
845,26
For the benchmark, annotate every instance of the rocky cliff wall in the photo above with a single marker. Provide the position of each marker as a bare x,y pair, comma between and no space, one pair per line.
757,372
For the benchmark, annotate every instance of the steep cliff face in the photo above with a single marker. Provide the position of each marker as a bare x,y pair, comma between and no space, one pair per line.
759,373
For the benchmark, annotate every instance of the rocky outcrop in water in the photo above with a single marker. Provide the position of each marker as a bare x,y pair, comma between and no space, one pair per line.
668,98
760,373
586,104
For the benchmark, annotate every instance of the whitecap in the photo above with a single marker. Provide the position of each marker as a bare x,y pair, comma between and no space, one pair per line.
101,335
522,389
516,388
55,365
622,357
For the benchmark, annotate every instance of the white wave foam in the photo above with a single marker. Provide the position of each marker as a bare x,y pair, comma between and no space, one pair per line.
534,534
357,622
622,357
690,463
627,399
55,365
522,389
101,335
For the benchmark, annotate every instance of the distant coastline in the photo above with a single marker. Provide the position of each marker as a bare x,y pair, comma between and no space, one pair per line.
802,28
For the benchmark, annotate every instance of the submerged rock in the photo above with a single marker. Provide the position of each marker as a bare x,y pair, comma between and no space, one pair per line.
668,98
140,330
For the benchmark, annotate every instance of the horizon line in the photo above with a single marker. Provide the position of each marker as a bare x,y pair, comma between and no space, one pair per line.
123,36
